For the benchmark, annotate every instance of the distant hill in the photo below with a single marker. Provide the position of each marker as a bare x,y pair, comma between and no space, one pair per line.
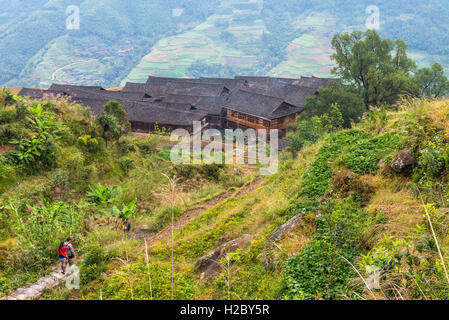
119,41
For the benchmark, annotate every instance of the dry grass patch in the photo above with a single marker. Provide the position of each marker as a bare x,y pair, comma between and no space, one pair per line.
400,207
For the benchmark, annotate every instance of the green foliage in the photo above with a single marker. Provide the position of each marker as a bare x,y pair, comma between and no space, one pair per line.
6,98
110,127
132,282
320,269
47,224
102,194
162,218
432,82
94,262
40,147
380,69
126,164
311,130
126,212
388,255
10,131
431,158
363,157
316,180
90,144
7,115
351,104
115,109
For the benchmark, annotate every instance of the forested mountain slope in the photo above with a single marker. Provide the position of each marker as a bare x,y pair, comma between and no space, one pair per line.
124,40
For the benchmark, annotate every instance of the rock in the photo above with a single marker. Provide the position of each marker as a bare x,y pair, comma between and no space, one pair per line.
266,256
210,265
403,161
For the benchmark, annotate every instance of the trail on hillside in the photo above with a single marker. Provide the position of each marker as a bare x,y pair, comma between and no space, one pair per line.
37,289
190,214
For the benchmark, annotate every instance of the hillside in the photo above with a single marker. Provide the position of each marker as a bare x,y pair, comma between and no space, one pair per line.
356,213
118,42
355,203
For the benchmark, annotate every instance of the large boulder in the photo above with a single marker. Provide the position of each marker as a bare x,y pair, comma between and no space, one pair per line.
209,264
266,256
403,162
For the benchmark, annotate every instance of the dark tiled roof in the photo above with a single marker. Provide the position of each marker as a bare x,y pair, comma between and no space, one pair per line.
163,80
154,113
293,94
260,105
68,88
196,89
150,89
231,84
178,102
148,112
213,105
39,93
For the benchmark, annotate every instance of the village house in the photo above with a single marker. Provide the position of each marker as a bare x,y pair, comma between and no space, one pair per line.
243,102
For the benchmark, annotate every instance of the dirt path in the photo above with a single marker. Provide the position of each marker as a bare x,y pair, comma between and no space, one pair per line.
53,75
37,289
190,214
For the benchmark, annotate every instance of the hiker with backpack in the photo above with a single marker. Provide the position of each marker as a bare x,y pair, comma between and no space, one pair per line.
71,252
126,227
63,256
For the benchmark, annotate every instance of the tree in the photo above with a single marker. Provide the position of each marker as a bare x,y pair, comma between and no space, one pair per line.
116,109
114,121
431,82
380,69
351,103
110,127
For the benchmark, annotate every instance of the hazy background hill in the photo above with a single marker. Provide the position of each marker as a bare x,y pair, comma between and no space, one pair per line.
126,40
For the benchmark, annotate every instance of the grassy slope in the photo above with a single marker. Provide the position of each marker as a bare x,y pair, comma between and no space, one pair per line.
389,204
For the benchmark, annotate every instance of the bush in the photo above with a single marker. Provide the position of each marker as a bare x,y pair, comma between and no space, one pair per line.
7,115
89,144
431,159
319,270
162,218
9,132
7,175
363,156
126,164
59,178
94,262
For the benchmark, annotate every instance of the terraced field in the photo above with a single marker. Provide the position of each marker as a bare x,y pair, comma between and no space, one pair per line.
309,54
225,38
85,61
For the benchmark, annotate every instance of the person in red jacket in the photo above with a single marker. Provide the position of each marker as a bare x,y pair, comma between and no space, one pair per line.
63,256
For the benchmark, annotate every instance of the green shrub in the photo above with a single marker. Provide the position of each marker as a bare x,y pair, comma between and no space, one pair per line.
320,269
7,115
126,164
5,285
431,160
6,98
89,144
102,194
7,175
9,132
162,218
363,156
60,178
94,262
